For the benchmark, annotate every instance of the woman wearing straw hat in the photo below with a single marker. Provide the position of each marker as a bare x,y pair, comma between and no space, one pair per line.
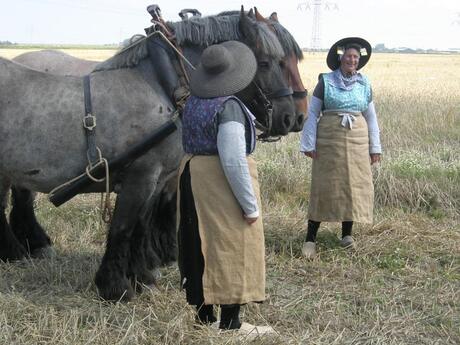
343,143
221,240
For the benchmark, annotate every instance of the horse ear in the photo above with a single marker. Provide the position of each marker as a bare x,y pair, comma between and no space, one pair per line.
245,27
251,13
274,17
259,17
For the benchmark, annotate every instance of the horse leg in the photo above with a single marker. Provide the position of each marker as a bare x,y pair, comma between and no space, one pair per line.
25,226
10,248
154,239
164,240
143,260
112,277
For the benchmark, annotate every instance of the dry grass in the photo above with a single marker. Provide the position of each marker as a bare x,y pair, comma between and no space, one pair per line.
418,103
401,285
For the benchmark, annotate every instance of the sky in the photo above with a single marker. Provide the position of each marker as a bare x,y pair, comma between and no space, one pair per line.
396,23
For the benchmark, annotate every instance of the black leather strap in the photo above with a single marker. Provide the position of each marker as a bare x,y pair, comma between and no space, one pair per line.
89,124
280,93
300,94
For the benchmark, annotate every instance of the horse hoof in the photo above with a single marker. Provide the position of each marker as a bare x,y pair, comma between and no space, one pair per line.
114,292
152,288
116,295
47,252
170,263
146,281
13,254
141,287
156,273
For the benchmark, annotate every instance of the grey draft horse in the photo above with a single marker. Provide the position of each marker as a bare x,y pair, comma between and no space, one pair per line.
22,217
56,62
130,99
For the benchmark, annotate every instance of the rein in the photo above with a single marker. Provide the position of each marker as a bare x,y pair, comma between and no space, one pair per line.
263,100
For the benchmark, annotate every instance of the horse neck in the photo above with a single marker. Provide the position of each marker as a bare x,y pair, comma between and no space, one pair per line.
295,79
193,54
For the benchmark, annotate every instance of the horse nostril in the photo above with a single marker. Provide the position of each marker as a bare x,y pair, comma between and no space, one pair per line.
287,121
300,119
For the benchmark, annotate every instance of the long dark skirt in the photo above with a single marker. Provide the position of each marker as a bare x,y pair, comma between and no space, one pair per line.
191,261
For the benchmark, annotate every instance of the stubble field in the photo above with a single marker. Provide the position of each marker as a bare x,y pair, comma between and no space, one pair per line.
400,286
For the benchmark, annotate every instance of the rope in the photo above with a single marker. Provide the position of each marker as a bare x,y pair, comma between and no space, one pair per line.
173,47
106,206
165,38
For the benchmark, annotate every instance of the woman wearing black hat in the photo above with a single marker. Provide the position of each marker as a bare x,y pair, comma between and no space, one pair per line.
343,143
221,239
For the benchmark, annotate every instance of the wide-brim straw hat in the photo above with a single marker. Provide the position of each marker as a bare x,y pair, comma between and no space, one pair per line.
340,46
224,69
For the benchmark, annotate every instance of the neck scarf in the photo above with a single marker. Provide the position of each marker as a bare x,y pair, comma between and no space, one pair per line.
345,83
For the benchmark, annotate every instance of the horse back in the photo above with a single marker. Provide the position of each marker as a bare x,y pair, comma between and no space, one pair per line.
43,140
56,62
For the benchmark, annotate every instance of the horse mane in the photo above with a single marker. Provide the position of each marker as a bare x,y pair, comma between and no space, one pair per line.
288,42
203,31
286,39
222,27
128,56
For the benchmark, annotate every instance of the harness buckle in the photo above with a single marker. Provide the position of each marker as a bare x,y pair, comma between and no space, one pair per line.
89,122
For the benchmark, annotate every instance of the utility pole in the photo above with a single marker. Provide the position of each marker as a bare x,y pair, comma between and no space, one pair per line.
457,21
318,6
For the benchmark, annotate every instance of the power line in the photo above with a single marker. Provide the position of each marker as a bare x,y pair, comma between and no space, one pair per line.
318,6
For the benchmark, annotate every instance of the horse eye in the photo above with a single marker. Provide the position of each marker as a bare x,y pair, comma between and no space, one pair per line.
264,64
282,64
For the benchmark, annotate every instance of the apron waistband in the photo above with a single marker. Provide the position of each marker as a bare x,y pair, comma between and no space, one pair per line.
348,117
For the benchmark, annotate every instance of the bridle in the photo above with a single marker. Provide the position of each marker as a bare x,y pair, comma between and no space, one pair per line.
300,94
263,100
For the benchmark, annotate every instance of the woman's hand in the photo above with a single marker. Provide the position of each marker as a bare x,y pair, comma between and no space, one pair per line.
250,220
311,154
375,158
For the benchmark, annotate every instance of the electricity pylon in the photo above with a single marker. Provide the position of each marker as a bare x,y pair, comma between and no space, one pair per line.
318,6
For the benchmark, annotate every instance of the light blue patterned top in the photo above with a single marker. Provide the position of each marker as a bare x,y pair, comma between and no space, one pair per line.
339,97
336,92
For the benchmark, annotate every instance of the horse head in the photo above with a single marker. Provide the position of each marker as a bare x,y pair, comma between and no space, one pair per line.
293,54
269,96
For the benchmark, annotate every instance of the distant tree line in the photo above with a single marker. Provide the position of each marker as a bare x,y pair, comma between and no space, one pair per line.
380,48
7,43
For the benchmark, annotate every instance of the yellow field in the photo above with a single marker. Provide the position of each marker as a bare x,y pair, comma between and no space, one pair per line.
400,286
88,54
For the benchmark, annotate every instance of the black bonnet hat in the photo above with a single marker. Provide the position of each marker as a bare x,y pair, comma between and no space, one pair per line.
339,47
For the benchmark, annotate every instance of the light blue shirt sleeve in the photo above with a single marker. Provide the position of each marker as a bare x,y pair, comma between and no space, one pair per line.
308,136
231,144
373,127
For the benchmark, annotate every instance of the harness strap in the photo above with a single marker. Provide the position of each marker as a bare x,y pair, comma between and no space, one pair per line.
182,91
300,94
89,124
281,93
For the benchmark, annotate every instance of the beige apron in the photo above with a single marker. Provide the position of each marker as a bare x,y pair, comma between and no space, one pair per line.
341,184
233,251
